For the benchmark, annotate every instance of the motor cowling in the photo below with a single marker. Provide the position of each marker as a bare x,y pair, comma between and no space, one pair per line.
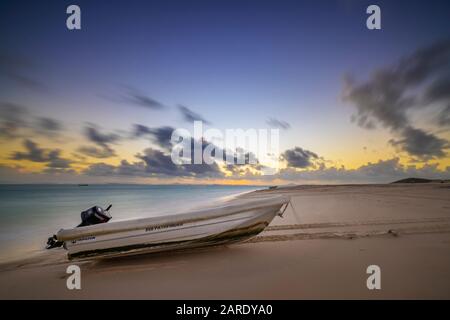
94,215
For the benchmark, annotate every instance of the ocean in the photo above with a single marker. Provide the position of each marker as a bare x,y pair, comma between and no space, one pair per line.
29,214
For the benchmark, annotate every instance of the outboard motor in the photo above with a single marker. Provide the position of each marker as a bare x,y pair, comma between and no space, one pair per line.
89,217
94,215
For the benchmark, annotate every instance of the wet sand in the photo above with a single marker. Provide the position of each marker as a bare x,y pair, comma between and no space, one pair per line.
320,251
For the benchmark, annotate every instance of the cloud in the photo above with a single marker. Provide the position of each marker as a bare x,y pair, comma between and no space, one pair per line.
239,156
443,118
154,163
280,124
12,119
55,161
191,116
158,162
95,152
299,158
415,81
383,171
202,170
16,121
161,135
439,93
438,90
15,68
102,140
421,144
140,130
137,98
16,174
33,153
100,169
36,154
48,126
135,169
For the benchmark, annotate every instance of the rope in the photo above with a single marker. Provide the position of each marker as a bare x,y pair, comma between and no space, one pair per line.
295,212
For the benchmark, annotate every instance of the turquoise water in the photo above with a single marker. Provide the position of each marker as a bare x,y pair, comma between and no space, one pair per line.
31,213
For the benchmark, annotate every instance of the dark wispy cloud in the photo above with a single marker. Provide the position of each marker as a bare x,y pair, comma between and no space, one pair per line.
17,68
443,118
12,119
16,121
191,116
160,135
102,139
32,153
438,93
102,142
35,153
416,81
48,126
438,90
299,158
135,97
280,124
140,130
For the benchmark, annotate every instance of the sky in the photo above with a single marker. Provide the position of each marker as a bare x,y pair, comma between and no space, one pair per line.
99,104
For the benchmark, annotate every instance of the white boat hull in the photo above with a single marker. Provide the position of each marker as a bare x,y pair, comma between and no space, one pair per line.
209,227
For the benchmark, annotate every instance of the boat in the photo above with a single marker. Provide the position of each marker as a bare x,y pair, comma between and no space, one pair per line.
229,223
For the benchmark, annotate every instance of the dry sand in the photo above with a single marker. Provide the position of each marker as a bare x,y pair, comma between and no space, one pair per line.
322,251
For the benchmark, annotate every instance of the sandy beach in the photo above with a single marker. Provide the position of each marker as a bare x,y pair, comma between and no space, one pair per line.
320,251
